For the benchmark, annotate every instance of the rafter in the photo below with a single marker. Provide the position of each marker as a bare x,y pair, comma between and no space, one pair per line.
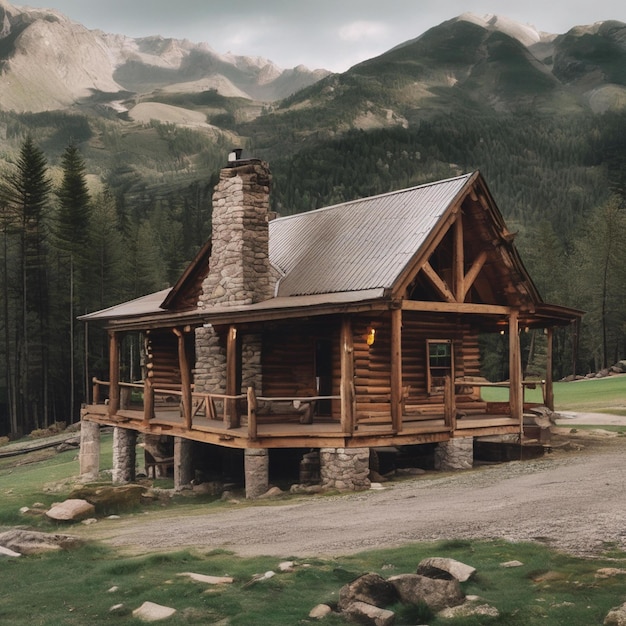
438,283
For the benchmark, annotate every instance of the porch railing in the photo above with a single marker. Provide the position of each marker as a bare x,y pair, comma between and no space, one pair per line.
219,407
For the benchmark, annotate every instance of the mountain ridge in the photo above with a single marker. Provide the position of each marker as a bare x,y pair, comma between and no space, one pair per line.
49,62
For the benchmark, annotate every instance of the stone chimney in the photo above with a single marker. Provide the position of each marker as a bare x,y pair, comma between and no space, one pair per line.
239,267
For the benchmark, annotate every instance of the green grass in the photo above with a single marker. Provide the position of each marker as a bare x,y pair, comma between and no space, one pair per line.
598,395
74,587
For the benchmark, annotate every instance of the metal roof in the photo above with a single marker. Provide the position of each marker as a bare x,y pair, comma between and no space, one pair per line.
145,305
362,244
357,247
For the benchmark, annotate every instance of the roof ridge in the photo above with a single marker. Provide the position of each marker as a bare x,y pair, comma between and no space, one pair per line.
380,195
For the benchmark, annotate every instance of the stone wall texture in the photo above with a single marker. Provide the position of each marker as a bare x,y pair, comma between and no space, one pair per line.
345,469
124,455
256,467
239,270
456,454
89,457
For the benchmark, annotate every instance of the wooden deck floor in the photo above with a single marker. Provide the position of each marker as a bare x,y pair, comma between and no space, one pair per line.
292,434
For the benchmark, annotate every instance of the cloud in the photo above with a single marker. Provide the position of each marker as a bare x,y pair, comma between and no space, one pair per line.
362,31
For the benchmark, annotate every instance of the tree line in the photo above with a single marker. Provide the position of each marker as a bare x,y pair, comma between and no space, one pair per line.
67,250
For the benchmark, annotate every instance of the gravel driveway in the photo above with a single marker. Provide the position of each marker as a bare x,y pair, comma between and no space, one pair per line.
572,499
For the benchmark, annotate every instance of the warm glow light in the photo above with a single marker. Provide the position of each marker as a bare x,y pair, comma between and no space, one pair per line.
371,336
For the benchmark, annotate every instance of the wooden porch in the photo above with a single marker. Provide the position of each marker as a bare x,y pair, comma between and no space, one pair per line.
248,421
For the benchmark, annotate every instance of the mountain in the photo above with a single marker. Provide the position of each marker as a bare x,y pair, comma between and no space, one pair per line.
487,64
48,62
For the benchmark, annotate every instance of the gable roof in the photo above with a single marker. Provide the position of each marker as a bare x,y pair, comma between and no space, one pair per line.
357,245
352,255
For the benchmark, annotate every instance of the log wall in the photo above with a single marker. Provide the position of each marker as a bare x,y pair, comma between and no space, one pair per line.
372,364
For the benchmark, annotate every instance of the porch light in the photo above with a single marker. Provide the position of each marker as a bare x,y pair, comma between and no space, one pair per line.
371,336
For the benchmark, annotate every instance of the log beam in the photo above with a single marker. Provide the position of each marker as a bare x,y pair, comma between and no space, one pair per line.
396,370
347,376
114,373
438,283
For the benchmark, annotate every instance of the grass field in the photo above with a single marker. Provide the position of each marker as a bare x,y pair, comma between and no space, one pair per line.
597,395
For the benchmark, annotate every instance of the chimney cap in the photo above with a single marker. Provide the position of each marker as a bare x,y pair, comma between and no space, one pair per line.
239,156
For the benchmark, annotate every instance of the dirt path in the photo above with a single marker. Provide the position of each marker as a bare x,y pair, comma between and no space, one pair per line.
571,500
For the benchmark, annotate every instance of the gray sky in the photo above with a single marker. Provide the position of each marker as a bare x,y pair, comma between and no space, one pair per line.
332,34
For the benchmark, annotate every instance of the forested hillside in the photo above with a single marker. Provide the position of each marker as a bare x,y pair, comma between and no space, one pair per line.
96,208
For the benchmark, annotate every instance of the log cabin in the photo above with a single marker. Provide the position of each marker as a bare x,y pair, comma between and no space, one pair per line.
336,331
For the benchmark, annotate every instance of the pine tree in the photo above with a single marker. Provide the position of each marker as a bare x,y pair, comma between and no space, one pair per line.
24,192
72,231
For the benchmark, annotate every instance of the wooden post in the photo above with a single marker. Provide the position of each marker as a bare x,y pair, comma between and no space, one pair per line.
148,401
459,259
549,364
96,390
114,373
185,378
346,387
252,407
231,415
449,403
396,370
516,393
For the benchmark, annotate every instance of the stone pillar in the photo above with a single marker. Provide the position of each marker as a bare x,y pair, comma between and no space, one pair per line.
456,454
89,456
345,469
183,466
256,468
124,455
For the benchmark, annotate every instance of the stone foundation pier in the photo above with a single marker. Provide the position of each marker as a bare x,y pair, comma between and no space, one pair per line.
124,455
345,469
455,454
183,466
89,456
256,469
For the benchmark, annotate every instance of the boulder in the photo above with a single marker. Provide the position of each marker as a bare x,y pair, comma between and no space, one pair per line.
320,611
8,553
369,588
108,499
152,612
71,510
33,542
616,616
368,614
440,567
437,594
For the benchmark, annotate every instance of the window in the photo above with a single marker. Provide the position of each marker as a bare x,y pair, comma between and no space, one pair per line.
439,363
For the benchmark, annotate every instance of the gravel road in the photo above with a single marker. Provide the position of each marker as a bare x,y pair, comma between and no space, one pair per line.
572,499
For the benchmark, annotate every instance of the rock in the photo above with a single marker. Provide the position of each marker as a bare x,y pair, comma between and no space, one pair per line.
72,510
610,572
286,566
369,588
438,594
368,614
616,616
440,567
151,612
8,553
109,499
33,542
211,488
468,609
272,492
89,521
511,564
377,486
209,580
308,489
320,611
